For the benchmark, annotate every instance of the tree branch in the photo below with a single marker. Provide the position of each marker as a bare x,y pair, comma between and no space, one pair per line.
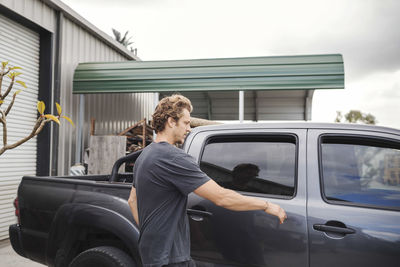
1,81
11,104
8,89
40,122
4,122
2,74
40,128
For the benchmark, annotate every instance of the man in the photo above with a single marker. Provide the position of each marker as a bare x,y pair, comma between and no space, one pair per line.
164,176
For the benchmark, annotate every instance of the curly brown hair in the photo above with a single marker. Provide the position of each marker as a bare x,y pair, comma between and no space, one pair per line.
170,106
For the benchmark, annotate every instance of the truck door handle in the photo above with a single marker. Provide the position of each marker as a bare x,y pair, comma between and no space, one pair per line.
333,229
199,212
198,215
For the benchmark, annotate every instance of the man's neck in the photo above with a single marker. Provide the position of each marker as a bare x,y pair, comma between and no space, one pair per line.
162,137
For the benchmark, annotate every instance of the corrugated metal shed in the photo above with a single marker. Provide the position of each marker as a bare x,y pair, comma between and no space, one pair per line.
64,39
252,73
44,13
37,11
113,113
275,88
80,41
258,105
14,163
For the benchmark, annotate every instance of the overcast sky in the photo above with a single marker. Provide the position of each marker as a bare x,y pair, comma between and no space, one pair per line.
365,32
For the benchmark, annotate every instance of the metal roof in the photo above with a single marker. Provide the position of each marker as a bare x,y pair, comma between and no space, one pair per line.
306,72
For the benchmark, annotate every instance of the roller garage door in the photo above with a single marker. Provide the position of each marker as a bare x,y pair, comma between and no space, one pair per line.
20,46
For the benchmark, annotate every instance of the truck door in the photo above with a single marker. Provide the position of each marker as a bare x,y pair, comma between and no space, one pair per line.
354,198
267,164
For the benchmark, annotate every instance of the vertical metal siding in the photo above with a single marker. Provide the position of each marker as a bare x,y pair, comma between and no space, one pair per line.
34,10
278,105
109,110
78,46
20,46
271,105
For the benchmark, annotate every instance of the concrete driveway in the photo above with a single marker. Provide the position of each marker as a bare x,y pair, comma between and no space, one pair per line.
9,258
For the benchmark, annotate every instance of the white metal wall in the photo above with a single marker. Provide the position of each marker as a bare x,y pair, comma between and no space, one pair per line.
112,112
20,46
79,45
34,10
258,105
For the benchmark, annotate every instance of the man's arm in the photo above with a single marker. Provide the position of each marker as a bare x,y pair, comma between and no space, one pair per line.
132,201
232,200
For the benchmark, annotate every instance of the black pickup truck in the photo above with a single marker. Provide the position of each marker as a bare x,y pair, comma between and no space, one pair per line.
339,185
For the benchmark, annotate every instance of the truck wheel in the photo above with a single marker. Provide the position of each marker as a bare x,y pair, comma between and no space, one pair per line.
103,257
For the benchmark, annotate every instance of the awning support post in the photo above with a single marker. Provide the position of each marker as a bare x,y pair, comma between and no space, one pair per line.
241,106
308,105
156,97
78,150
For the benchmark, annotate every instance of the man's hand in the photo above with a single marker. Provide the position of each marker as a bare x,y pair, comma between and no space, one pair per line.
232,200
276,210
132,201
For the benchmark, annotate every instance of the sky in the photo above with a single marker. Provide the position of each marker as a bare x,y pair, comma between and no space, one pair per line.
365,32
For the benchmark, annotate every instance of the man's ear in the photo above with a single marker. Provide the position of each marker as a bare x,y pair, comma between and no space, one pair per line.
171,122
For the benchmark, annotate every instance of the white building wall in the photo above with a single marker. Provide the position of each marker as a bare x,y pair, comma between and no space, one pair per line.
112,112
34,10
81,42
19,46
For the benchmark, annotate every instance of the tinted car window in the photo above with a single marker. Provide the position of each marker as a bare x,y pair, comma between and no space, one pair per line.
257,166
361,174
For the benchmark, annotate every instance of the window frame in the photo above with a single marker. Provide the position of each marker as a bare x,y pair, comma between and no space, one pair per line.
278,136
353,139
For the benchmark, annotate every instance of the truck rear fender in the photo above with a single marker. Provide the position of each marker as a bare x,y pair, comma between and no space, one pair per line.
74,216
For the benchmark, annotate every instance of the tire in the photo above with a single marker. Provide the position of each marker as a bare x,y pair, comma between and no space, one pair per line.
103,257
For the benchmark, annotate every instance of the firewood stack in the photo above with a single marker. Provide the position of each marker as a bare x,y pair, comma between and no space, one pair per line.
134,136
196,122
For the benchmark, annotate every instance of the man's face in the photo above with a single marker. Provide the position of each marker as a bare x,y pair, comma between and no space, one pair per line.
182,128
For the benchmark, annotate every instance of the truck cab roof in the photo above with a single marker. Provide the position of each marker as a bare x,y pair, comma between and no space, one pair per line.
297,125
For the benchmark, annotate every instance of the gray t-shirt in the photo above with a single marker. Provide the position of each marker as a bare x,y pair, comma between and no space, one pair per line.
164,176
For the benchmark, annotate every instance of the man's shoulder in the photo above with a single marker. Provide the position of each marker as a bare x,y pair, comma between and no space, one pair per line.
164,151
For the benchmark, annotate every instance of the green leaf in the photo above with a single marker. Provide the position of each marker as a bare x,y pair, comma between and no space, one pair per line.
12,75
41,107
52,117
68,119
15,68
4,64
17,92
58,109
21,83
1,102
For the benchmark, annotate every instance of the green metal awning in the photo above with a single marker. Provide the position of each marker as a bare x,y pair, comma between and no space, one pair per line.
307,72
